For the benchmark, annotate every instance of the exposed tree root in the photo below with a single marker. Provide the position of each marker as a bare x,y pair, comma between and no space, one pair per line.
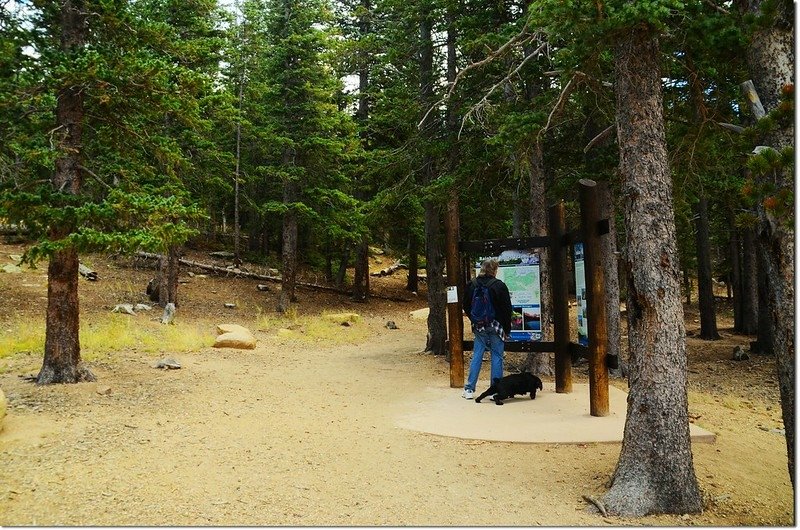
597,503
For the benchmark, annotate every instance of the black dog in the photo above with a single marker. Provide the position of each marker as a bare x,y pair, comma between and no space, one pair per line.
511,385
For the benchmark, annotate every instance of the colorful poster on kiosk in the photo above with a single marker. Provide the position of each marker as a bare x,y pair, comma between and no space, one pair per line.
519,270
580,292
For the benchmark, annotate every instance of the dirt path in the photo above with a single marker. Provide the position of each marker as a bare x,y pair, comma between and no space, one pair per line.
298,432
294,433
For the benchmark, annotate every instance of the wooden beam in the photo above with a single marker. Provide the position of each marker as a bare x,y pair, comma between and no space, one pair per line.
595,293
455,320
518,346
493,247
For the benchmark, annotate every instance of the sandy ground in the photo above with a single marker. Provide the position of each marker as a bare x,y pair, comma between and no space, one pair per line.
303,433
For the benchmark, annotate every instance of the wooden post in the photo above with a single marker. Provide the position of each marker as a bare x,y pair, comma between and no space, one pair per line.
560,290
595,303
455,328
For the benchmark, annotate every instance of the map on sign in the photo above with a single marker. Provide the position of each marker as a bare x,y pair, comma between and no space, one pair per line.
523,284
580,288
519,270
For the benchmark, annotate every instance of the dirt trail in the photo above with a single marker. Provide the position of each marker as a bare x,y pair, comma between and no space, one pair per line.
296,434
301,433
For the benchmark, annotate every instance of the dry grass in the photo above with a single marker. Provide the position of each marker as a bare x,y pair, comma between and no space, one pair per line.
112,333
314,328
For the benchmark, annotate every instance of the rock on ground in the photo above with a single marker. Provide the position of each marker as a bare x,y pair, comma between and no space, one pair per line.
338,318
234,336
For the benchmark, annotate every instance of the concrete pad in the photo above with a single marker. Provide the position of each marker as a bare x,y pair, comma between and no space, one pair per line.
550,418
420,314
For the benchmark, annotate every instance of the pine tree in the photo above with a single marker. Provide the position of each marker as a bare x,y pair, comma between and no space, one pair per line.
113,186
311,135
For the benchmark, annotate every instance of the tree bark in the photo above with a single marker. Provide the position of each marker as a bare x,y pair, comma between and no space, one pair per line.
62,350
540,363
749,283
611,267
437,325
290,230
655,472
735,278
765,334
341,272
708,315
771,62
413,264
518,215
361,272
168,268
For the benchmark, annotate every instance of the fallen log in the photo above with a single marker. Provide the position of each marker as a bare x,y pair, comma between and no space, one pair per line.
423,278
13,230
256,276
87,273
389,270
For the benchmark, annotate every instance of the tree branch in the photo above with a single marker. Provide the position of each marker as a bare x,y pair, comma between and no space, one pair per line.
484,100
730,127
94,175
562,98
718,8
599,138
520,37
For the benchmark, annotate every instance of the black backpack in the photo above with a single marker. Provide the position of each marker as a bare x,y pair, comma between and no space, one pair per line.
482,310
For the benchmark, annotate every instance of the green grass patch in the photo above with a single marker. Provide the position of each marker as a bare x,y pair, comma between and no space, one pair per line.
113,333
315,328
332,332
19,337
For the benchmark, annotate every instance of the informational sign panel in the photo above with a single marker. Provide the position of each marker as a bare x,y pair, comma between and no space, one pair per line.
519,270
580,290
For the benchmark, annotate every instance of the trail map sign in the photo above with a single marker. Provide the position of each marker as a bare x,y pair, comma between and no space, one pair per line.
580,291
519,270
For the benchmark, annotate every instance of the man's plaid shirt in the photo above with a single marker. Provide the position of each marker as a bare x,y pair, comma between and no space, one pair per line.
494,326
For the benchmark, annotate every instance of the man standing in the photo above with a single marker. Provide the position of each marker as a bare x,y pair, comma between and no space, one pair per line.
488,305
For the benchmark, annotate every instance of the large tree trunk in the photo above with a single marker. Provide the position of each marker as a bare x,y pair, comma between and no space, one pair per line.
735,278
539,363
708,315
749,283
655,472
289,274
519,213
771,61
437,302
611,267
437,325
341,272
62,350
361,273
168,268
413,264
765,336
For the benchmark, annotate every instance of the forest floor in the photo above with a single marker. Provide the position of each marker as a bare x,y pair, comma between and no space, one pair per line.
302,430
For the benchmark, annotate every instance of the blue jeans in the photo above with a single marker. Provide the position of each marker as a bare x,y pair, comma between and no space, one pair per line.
485,340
